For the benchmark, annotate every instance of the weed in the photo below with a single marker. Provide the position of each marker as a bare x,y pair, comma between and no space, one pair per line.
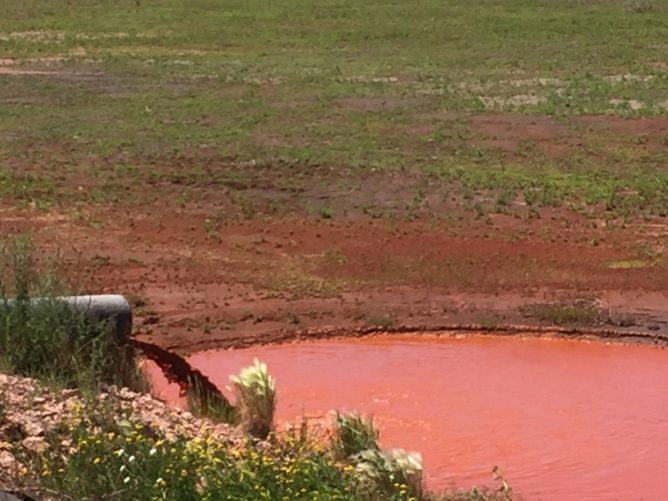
101,260
255,392
352,435
182,199
577,313
212,230
334,257
381,472
381,321
295,279
202,402
325,212
278,110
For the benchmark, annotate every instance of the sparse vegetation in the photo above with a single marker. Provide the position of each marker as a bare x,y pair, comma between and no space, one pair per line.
573,314
295,278
381,321
280,121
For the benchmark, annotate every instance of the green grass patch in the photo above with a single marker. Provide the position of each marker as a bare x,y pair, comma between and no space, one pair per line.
199,94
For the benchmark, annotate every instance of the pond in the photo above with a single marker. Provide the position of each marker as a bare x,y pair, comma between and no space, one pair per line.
563,419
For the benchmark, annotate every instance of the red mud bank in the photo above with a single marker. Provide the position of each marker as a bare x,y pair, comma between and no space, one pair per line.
563,419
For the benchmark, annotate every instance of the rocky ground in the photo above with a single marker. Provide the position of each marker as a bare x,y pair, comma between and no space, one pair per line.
29,412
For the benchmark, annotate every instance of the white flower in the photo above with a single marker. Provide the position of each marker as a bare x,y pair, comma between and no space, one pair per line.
153,452
126,480
122,468
119,452
131,459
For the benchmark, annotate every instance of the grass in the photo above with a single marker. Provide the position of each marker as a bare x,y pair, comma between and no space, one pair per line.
45,339
353,434
206,404
255,392
259,103
295,278
575,314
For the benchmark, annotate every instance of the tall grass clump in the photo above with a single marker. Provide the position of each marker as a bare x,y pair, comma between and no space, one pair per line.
378,474
41,337
353,434
255,392
203,402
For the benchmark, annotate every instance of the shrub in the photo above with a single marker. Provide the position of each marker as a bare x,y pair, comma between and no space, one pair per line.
381,474
255,392
50,341
352,435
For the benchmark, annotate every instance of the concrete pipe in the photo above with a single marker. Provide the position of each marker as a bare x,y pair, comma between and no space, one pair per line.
113,307
104,307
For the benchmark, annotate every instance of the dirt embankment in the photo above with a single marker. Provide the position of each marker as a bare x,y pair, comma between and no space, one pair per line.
193,287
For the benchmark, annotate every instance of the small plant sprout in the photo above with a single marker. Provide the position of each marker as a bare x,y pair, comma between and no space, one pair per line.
255,391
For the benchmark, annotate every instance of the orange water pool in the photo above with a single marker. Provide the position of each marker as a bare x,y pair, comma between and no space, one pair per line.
563,419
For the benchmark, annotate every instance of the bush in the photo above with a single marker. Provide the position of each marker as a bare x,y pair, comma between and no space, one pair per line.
352,435
48,340
380,475
255,392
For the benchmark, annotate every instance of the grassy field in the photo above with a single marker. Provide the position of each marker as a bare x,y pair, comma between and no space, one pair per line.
291,104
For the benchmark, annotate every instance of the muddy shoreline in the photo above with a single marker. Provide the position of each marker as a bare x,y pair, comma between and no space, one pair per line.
452,330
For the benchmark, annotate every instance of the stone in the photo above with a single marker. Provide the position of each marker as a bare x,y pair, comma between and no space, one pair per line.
69,393
34,444
33,429
7,461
